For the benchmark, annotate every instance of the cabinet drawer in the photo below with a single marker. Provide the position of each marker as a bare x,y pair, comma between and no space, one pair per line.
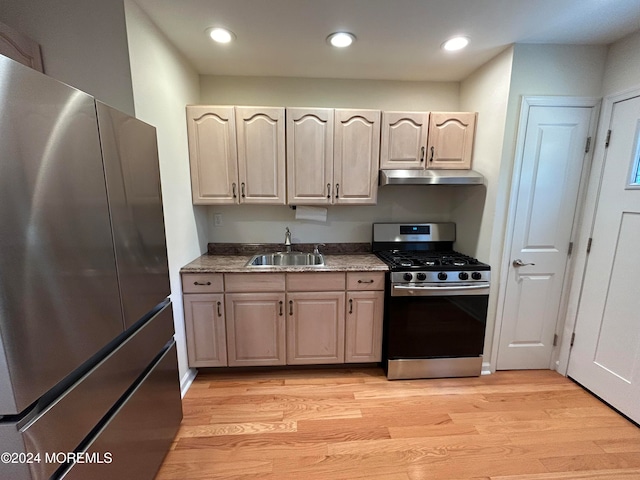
202,282
315,282
254,282
365,281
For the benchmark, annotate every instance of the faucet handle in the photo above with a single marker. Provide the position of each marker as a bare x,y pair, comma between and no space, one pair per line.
315,248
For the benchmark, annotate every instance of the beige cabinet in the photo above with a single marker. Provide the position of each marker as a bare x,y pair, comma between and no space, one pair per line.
309,155
204,320
283,318
237,154
404,140
450,143
363,328
333,156
356,155
315,318
315,328
261,155
206,330
20,48
213,155
255,328
419,140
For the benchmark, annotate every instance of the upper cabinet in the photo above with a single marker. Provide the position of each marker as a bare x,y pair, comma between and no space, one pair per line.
450,143
20,48
332,156
237,154
404,140
326,157
356,153
309,155
419,140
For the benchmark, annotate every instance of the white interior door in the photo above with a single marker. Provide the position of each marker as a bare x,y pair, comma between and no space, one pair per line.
545,194
606,353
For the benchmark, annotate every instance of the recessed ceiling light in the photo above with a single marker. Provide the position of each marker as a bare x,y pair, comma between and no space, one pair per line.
341,39
455,43
220,35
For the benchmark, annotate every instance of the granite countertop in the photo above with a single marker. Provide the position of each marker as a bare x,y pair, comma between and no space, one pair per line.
233,257
207,263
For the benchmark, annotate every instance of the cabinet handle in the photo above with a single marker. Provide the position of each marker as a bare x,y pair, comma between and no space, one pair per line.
421,154
350,306
365,281
202,284
219,312
328,190
290,307
242,189
280,303
432,154
337,190
233,189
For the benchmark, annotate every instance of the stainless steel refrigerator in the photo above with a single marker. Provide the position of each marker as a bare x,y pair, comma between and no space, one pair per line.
89,385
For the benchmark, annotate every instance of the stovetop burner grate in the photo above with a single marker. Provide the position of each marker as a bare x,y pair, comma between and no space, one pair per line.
429,260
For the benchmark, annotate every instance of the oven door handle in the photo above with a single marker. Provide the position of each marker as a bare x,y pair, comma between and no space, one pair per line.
433,291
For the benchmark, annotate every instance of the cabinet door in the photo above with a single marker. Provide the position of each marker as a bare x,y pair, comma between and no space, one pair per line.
404,140
309,155
205,325
261,155
212,154
364,326
20,48
255,329
356,156
315,328
450,142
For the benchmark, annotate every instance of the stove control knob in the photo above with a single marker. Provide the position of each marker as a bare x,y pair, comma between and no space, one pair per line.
463,275
408,277
476,275
422,276
442,276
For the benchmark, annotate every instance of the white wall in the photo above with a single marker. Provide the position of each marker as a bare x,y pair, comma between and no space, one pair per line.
323,92
485,91
622,70
83,43
266,224
163,83
565,70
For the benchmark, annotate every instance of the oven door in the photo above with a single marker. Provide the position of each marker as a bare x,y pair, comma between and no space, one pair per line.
443,323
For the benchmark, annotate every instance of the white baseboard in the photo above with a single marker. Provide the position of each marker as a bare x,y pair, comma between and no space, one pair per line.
486,368
187,380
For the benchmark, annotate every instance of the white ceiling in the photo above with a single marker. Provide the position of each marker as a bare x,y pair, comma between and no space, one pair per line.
396,39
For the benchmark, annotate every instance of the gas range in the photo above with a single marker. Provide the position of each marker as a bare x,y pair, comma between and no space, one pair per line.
436,302
423,252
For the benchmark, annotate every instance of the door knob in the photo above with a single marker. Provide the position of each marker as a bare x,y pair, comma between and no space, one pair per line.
519,263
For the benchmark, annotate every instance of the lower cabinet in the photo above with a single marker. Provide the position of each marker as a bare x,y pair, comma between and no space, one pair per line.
315,328
363,341
258,319
255,329
206,330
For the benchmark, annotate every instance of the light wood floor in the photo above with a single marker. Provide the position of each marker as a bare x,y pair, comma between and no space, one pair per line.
354,424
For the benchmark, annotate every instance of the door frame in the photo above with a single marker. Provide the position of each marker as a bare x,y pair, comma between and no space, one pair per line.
588,220
526,104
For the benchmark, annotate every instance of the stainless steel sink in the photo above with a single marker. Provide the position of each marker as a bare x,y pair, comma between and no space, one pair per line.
286,259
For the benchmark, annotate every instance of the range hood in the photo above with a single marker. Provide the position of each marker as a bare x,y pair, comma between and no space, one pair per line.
430,177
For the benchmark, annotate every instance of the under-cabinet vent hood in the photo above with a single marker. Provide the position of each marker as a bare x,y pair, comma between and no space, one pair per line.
430,177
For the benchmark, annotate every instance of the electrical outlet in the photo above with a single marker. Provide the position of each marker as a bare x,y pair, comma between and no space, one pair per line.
217,219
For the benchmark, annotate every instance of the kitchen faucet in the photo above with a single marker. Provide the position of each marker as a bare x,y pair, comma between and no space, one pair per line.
287,240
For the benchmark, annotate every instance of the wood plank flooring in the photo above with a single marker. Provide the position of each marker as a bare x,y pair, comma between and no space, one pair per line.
324,424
